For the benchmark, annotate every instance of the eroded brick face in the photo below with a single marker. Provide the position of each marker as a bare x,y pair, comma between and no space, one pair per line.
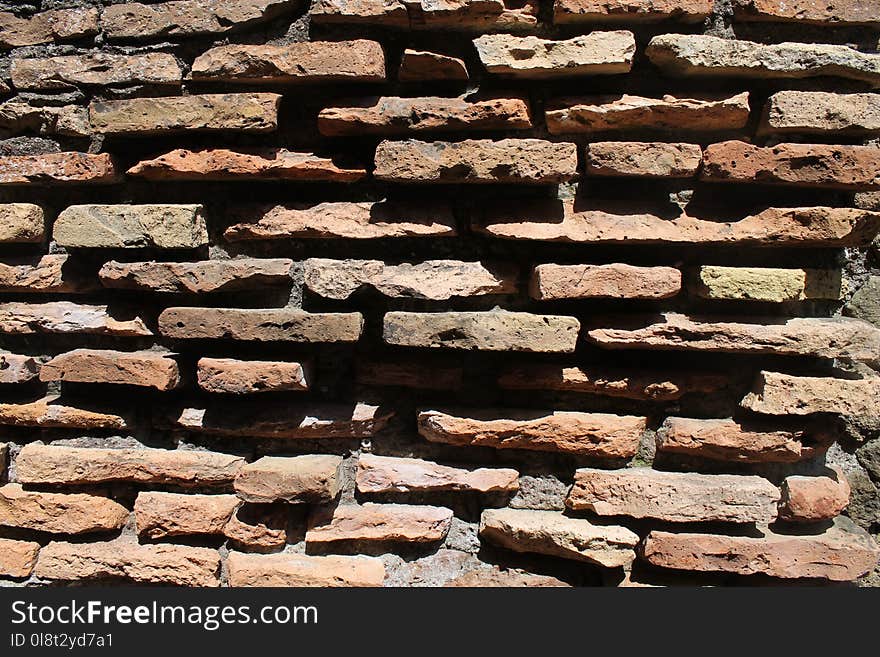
510,293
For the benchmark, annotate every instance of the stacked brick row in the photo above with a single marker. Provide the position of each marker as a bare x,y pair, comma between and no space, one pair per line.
474,293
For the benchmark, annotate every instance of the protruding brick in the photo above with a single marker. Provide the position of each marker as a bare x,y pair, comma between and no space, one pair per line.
15,368
48,413
674,496
617,281
821,113
59,513
496,577
420,66
597,53
822,337
427,15
567,12
160,515
17,117
46,275
66,317
124,559
47,26
838,13
95,69
131,227
246,377
524,161
17,558
600,435
299,62
308,478
271,324
487,331
767,284
57,169
784,394
301,570
258,527
410,374
842,553
148,369
245,112
551,533
55,464
379,523
806,165
21,222
196,277
384,474
813,499
643,159
699,55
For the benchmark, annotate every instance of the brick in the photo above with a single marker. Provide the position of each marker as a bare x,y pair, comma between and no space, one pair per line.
613,223
409,374
821,337
48,413
22,222
569,12
301,570
600,435
4,458
95,69
310,478
344,220
225,164
813,499
616,281
392,115
177,565
379,523
589,114
775,393
840,12
196,277
66,317
272,324
674,496
44,464
386,474
865,303
258,527
265,420
611,382
643,159
426,15
767,284
437,280
422,65
303,62
244,112
524,161
807,165
160,515
597,53
17,558
59,513
47,26
821,113
553,534
246,377
149,369
841,553
497,577
15,368
185,18
18,117
58,168
46,275
699,55
131,227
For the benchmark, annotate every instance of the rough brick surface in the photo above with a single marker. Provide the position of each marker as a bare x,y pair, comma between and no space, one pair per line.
768,284
48,412
46,275
588,11
301,570
418,65
59,513
264,325
381,523
618,281
813,499
383,474
648,159
822,113
17,558
244,377
855,12
196,277
160,515
98,69
57,168
426,15
131,226
47,26
22,222
66,317
309,478
783,394
144,368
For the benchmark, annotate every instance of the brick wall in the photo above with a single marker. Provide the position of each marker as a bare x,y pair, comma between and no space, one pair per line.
499,292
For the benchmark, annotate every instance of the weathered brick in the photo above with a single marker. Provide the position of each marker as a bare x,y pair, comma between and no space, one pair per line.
616,281
308,478
46,275
343,219
865,303
48,413
421,65
841,553
496,330
301,570
698,55
300,62
392,115
464,15
131,227
813,499
59,513
271,324
645,159
22,222
66,317
597,53
196,277
767,283
783,394
4,458
57,168
160,515
551,533
95,69
55,464
47,26
839,12
258,527
379,523
822,337
674,496
244,112
808,165
384,474
245,377
821,113
17,117
600,435
179,565
436,375
16,368
150,369
590,114
17,558
497,577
